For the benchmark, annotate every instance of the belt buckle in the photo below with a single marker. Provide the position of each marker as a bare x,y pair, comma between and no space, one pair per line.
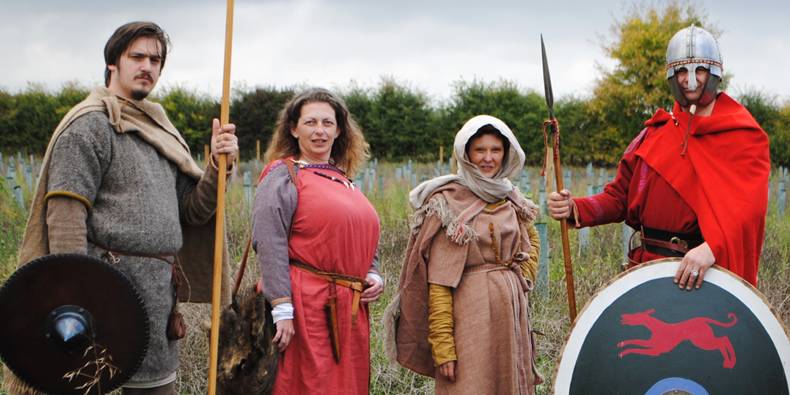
678,241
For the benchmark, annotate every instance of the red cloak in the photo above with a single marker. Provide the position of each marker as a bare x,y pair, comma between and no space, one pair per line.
722,178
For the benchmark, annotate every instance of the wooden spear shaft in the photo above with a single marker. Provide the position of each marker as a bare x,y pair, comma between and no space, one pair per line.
554,127
566,245
219,236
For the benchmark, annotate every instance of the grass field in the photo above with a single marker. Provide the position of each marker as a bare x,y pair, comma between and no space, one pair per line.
593,267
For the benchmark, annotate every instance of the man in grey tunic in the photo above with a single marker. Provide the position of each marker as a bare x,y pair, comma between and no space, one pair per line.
118,182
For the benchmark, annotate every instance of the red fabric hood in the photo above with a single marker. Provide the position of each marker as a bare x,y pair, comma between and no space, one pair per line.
723,176
727,115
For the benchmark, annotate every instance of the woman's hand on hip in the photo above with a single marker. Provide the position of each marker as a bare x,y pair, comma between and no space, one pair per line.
285,332
447,370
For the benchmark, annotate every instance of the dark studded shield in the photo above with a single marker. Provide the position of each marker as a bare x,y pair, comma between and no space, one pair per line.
641,334
72,324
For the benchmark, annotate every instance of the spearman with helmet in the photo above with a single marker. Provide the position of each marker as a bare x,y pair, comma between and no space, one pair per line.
693,183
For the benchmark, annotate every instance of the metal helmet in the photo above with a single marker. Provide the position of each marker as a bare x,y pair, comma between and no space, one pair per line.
689,49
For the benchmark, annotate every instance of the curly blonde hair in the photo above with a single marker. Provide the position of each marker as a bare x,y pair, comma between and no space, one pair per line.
349,150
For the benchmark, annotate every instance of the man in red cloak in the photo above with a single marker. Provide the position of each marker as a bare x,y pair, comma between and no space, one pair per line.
694,182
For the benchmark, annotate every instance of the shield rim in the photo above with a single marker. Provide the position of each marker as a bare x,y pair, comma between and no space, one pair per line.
662,268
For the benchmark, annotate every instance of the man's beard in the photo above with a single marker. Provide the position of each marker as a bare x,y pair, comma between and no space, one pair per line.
139,94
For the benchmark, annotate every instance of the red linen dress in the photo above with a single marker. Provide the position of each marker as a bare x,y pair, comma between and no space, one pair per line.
335,229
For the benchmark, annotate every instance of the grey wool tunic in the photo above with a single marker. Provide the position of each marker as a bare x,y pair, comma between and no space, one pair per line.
138,201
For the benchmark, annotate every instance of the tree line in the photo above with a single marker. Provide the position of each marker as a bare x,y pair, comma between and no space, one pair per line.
401,122
398,122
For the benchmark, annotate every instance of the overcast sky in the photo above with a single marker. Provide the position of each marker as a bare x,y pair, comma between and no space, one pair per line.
426,44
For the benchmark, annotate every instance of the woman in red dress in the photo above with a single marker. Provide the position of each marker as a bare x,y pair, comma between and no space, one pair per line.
316,236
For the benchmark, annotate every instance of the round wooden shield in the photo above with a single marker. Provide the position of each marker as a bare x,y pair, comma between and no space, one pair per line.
72,324
641,334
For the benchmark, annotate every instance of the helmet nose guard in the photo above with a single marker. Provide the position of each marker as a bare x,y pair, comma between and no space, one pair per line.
692,84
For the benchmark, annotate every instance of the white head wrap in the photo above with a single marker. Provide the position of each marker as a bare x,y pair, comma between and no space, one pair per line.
490,189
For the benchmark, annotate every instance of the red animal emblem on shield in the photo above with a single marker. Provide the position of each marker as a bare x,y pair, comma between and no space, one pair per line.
665,336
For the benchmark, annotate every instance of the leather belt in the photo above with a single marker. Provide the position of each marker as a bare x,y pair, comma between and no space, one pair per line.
111,255
356,284
669,244
176,324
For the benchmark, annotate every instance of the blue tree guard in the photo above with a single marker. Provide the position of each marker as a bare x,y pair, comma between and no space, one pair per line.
542,198
543,265
584,233
18,196
525,183
29,176
358,182
248,186
371,178
16,189
10,177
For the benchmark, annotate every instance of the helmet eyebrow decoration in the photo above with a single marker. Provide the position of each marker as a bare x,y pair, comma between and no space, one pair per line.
676,64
